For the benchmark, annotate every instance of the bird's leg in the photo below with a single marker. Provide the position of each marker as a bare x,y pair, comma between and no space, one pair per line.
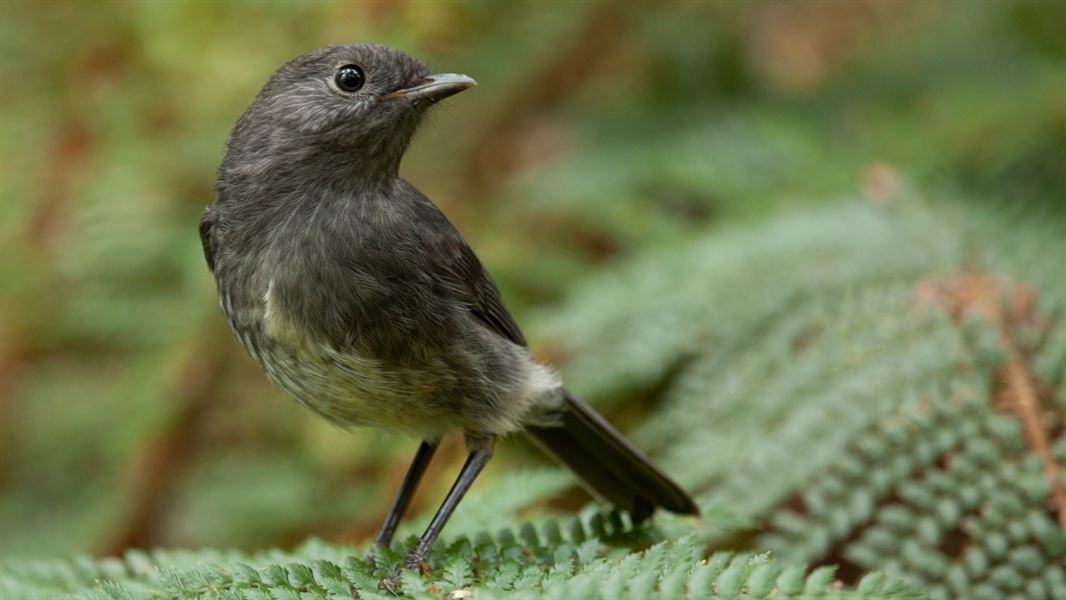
407,491
480,452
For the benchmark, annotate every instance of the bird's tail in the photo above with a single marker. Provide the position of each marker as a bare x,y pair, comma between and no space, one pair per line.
607,464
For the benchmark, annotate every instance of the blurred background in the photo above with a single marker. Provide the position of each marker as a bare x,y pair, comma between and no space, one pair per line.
608,149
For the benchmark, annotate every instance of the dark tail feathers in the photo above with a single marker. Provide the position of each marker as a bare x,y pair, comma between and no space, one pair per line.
608,464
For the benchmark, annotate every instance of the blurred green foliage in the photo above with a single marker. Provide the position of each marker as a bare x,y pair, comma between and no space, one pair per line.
795,249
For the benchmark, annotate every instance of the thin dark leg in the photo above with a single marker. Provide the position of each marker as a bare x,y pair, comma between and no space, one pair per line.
475,462
407,491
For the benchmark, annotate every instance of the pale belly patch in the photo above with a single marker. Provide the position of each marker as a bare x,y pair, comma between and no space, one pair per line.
352,389
344,387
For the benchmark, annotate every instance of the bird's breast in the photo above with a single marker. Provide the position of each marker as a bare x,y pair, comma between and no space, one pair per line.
350,385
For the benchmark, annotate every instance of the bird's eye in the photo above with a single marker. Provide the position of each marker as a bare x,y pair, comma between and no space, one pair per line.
350,78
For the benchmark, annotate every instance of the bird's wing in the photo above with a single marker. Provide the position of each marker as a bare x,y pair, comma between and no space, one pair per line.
485,300
207,221
464,276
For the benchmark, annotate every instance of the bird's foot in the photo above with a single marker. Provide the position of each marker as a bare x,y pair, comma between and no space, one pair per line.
391,585
415,561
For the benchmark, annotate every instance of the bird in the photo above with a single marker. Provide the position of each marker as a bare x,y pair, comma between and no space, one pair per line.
361,300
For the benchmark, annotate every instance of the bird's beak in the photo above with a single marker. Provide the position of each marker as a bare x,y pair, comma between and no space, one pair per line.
434,88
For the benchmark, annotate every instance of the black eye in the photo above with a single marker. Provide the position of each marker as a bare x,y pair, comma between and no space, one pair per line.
350,78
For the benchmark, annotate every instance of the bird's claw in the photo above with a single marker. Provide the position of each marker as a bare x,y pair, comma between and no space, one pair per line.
413,562
391,585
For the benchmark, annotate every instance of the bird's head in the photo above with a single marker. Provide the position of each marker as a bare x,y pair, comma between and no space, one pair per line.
357,105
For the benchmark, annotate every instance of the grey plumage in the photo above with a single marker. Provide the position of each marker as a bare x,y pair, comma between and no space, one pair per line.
360,299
